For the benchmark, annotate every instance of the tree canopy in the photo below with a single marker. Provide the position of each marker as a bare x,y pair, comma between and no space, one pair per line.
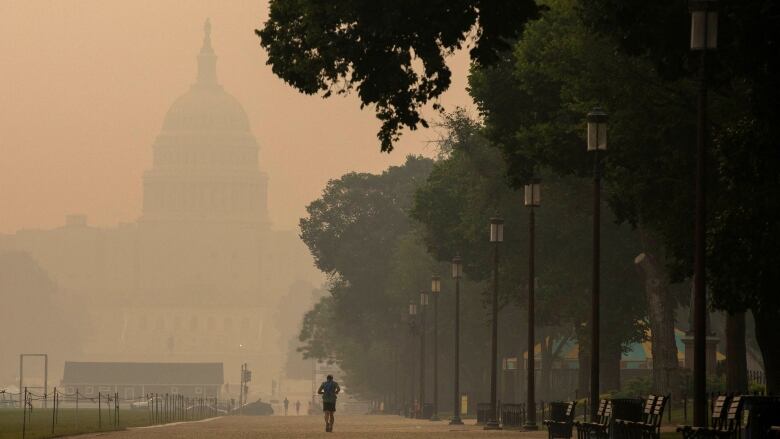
610,53
392,52
354,231
468,185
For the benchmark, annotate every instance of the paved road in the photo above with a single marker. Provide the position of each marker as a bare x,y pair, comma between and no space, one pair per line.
283,427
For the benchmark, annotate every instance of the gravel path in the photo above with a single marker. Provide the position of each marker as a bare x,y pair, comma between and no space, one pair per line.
282,427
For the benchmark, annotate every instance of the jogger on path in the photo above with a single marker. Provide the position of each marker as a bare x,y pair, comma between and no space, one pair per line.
329,389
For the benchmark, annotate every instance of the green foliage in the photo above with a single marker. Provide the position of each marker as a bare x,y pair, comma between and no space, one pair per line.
467,186
749,196
391,51
634,388
756,388
744,75
359,234
557,73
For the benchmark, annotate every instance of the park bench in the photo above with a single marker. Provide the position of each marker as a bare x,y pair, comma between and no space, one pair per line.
650,427
719,412
512,415
561,419
729,427
600,427
621,426
759,414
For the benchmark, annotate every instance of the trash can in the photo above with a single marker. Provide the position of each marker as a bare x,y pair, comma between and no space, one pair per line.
427,410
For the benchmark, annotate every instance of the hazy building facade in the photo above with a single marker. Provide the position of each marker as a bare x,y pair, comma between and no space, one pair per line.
199,275
134,381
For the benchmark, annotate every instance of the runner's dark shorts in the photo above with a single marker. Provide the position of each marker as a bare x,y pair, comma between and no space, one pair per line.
328,406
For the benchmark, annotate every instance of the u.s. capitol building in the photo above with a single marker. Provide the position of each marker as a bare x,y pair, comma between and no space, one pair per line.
199,275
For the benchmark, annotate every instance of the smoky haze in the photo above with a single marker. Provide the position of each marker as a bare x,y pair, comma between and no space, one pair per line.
149,211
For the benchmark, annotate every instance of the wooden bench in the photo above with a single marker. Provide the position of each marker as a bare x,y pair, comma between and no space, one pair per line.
650,428
719,412
560,424
730,427
599,428
621,426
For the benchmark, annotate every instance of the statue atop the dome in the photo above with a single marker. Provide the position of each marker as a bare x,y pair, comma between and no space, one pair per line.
207,60
207,37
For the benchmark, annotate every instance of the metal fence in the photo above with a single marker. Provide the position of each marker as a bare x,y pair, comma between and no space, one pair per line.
160,408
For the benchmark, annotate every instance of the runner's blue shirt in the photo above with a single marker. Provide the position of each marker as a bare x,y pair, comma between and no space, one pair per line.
329,389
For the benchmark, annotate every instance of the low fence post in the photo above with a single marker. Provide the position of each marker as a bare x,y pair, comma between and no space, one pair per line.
53,410
24,412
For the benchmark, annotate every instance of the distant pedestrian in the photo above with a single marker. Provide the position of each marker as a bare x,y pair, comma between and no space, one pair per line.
286,405
329,391
297,408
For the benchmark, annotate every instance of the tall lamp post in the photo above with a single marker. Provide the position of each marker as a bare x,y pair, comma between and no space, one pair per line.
496,236
704,37
413,331
423,306
531,200
435,290
597,141
457,273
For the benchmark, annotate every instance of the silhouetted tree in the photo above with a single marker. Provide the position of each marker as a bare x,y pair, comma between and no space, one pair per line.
392,52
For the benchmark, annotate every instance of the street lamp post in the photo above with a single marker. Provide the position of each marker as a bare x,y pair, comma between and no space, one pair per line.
597,141
457,273
413,331
704,37
435,290
532,199
423,306
496,236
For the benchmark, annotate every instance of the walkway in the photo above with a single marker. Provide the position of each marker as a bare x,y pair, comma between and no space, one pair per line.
283,427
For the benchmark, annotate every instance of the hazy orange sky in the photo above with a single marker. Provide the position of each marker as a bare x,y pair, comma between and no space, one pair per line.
85,84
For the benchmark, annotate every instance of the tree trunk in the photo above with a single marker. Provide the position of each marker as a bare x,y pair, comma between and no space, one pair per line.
546,361
583,376
736,353
609,367
766,336
660,311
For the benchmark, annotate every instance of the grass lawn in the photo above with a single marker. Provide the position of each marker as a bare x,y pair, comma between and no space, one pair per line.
39,425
